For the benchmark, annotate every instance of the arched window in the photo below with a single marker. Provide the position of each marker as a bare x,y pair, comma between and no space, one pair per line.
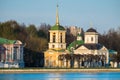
53,46
61,46
91,38
54,37
61,37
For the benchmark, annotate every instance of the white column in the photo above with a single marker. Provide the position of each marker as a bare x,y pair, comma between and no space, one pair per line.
63,37
59,34
75,64
51,37
57,37
6,55
11,49
107,57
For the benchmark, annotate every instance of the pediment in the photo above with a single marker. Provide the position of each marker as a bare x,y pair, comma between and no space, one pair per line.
18,42
82,47
103,48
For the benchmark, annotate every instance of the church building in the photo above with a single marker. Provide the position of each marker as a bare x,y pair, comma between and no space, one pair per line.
87,52
57,44
92,53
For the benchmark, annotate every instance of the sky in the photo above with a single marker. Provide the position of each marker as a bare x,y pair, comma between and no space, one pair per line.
102,14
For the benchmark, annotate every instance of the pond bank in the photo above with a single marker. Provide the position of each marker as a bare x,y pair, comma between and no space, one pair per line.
56,70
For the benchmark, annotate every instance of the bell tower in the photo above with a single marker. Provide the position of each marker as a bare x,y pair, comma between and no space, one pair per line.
57,35
56,45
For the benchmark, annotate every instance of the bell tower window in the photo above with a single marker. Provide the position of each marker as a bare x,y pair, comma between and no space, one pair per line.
54,37
61,37
92,39
53,46
61,46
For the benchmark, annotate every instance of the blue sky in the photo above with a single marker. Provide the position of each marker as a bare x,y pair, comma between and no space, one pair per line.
103,14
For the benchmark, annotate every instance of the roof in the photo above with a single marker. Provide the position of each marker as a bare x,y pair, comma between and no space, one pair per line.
91,30
61,50
75,43
112,51
57,27
6,41
92,46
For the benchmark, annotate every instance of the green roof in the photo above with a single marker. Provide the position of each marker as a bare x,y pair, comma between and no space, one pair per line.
74,44
61,50
112,51
6,41
57,27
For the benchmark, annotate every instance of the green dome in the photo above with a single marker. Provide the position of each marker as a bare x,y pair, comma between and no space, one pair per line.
74,44
6,41
57,27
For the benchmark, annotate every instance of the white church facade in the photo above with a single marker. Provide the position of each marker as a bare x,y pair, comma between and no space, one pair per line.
94,53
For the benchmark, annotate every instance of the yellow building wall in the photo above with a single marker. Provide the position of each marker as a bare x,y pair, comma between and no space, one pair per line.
51,58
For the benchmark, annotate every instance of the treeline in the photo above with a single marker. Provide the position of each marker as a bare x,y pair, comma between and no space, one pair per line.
111,39
36,39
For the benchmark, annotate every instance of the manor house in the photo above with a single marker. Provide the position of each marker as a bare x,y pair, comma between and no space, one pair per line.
11,53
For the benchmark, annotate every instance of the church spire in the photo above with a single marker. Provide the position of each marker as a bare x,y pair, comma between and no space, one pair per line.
57,16
91,25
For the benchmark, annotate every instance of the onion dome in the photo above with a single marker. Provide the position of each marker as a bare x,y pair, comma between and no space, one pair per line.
91,30
57,27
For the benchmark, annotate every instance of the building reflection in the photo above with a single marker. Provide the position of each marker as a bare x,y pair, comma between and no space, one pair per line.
54,76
